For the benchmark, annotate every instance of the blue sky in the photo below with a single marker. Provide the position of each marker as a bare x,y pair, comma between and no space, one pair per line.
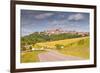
37,21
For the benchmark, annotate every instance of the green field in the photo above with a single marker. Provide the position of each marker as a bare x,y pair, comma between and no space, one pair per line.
75,47
32,56
78,47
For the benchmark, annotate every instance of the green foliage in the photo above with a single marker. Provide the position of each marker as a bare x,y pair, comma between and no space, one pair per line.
32,56
23,49
63,36
42,37
30,48
36,37
79,47
59,46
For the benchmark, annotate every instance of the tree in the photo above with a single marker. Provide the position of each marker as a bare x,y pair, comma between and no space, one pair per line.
23,48
30,48
58,46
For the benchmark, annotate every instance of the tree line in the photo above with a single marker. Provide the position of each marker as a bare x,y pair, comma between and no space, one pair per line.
34,38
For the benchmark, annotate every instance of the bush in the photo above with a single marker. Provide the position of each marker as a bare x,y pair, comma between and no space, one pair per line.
23,49
58,46
43,37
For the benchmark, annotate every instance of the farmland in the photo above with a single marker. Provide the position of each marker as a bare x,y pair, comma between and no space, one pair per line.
73,47
77,47
48,36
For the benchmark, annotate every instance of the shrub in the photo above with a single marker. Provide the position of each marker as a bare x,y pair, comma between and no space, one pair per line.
58,46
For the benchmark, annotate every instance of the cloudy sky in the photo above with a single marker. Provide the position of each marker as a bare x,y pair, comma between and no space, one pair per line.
37,21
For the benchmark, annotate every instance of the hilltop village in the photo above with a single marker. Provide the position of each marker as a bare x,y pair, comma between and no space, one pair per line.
60,31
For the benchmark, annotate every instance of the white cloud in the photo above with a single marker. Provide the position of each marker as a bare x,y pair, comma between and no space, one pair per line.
76,17
58,22
43,15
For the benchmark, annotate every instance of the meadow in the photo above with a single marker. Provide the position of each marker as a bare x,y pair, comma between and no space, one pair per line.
32,56
78,47
75,47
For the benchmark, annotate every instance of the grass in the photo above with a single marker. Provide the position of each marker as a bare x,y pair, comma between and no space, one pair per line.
28,57
78,47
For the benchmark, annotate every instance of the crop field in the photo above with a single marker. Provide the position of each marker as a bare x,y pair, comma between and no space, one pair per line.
77,47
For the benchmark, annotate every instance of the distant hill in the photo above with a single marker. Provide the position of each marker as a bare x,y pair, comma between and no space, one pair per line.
37,37
60,31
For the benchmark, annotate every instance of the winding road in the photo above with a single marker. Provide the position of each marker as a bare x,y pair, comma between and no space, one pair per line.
53,55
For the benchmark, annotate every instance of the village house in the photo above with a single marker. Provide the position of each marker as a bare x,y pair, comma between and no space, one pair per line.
58,31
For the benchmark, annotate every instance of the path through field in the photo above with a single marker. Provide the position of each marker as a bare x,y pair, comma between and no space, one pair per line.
53,55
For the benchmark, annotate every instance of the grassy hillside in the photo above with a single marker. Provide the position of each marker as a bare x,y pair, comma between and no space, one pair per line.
43,37
78,47
32,56
75,47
